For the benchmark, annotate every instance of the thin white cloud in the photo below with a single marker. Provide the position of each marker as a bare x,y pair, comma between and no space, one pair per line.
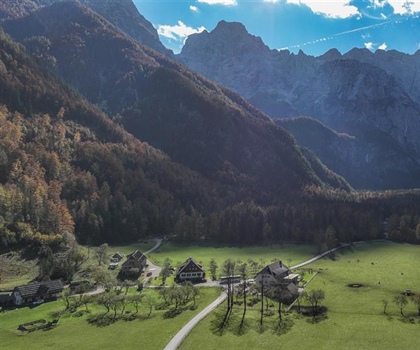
382,46
329,8
370,46
219,2
340,34
272,1
178,32
194,9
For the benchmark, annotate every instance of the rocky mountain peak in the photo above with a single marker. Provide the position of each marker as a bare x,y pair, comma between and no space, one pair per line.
330,55
228,38
231,27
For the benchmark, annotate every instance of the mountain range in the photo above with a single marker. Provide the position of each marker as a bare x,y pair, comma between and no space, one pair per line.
372,97
114,140
194,148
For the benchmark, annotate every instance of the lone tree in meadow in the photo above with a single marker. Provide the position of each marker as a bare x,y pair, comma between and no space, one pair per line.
401,301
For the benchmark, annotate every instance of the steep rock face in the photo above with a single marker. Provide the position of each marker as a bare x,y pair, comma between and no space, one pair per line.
365,162
348,93
405,68
360,93
198,123
122,14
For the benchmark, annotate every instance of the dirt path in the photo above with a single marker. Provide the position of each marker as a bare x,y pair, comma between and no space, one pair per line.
319,256
179,337
154,269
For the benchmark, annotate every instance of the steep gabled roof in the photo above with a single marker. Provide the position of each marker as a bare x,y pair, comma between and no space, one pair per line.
187,263
37,288
276,269
118,255
137,255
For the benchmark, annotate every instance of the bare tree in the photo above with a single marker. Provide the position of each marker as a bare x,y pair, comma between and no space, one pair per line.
228,269
385,304
101,253
262,302
243,271
278,292
401,301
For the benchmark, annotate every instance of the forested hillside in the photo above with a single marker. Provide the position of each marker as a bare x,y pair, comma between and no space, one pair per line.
67,168
196,122
215,167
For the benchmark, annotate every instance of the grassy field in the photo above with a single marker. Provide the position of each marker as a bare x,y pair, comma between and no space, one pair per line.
178,253
355,318
76,333
15,270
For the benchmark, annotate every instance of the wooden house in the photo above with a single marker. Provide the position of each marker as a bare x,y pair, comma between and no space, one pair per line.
279,275
190,270
117,257
39,290
134,264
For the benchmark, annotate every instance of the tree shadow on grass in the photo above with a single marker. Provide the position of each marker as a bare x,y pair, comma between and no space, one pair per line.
241,328
102,319
319,316
175,312
217,327
261,328
407,320
283,326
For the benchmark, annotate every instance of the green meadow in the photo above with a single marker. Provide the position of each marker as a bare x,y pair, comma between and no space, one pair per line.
75,332
290,254
355,318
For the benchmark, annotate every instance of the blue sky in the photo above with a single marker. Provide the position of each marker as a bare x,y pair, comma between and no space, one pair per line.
310,25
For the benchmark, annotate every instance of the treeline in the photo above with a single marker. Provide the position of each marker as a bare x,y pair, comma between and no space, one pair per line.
318,217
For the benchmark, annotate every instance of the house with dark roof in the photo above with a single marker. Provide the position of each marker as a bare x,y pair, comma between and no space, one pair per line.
39,290
190,270
117,257
134,264
279,275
